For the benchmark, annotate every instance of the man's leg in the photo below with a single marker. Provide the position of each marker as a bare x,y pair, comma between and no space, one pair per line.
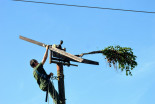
54,94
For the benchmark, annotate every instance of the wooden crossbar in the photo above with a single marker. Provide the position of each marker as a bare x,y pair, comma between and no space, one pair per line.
63,53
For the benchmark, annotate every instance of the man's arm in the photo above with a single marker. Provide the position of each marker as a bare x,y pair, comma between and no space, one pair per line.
45,55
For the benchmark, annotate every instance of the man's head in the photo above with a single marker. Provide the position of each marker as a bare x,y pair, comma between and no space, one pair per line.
33,63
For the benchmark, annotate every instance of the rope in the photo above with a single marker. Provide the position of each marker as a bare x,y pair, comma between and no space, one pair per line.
48,92
53,90
54,93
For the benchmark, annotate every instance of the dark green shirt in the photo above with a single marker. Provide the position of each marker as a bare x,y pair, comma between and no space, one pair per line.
41,76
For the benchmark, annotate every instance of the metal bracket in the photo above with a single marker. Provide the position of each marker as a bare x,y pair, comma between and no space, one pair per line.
54,78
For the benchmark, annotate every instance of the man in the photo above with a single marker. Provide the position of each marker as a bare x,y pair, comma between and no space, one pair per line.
42,78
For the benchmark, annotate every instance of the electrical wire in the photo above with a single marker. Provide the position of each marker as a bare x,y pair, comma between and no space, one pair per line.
86,6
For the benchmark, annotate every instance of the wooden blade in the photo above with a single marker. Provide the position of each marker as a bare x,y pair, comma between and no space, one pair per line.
78,59
32,41
61,52
86,61
90,62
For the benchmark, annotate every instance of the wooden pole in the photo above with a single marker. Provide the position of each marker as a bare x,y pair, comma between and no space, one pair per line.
61,87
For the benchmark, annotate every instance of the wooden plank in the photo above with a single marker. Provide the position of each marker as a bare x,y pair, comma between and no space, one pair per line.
63,53
32,41
66,54
90,62
53,49
86,61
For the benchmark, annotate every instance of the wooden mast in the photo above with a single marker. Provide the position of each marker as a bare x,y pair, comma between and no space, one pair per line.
61,86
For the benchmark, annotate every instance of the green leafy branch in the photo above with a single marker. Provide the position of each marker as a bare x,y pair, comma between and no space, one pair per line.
122,55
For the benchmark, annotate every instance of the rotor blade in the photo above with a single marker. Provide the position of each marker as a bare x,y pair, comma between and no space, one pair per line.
61,52
73,57
86,61
32,41
78,59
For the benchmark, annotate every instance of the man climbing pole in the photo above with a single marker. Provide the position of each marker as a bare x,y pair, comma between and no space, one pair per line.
42,78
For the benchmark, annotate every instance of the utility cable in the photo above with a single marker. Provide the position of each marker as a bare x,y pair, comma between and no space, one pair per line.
87,6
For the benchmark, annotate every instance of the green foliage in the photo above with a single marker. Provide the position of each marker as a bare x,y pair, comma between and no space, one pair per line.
121,55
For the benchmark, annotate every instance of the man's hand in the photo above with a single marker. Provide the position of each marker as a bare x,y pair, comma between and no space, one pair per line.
47,46
49,76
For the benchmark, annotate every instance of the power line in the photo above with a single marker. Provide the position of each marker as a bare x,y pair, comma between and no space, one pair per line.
86,6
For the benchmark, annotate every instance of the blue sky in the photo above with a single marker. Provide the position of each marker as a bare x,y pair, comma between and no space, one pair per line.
82,30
